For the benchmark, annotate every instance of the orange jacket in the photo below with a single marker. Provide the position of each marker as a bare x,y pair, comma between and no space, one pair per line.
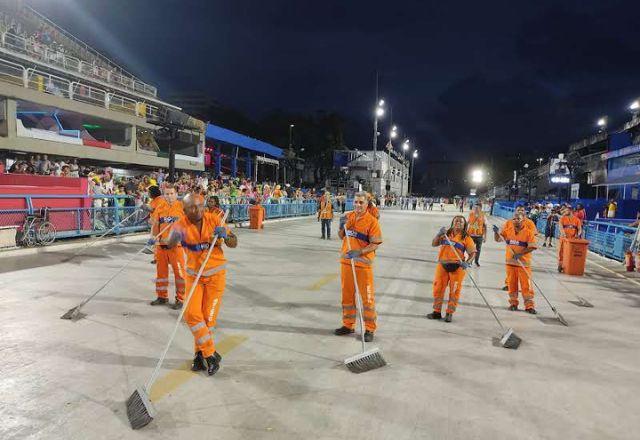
326,210
155,203
217,211
165,214
362,230
528,224
373,210
462,245
517,243
476,225
570,225
196,244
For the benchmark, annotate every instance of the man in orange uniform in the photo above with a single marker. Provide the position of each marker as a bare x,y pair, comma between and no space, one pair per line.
477,229
195,231
156,201
527,223
364,235
163,215
325,214
570,227
520,243
450,270
371,207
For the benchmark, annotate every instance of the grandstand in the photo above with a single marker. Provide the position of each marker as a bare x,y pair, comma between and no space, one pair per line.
61,97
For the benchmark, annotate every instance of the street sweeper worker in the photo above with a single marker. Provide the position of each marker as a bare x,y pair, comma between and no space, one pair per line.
570,227
520,242
364,235
528,224
164,215
452,265
195,231
477,229
325,215
156,200
371,207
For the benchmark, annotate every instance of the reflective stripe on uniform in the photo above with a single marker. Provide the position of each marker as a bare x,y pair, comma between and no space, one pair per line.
198,326
358,235
455,244
162,288
206,273
517,243
161,280
203,339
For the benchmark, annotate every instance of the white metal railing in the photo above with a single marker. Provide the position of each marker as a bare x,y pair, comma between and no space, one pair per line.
39,52
34,79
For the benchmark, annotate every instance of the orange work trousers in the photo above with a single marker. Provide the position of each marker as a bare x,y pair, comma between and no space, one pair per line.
441,280
364,276
518,275
202,311
169,257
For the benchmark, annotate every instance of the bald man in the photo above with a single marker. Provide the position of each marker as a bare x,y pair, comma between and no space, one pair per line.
195,231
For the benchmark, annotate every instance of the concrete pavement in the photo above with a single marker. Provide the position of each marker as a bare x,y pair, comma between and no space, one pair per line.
282,375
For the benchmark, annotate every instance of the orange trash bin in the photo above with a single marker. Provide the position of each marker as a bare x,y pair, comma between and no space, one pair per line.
574,255
256,216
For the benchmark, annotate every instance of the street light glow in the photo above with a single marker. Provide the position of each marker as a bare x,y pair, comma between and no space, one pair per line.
415,154
394,134
379,112
381,103
635,105
477,176
394,128
602,121
291,125
405,146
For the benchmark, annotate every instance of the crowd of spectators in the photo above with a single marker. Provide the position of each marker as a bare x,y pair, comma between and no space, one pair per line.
42,165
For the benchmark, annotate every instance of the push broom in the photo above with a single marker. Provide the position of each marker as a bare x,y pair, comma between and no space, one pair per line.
75,314
140,410
368,359
559,317
94,241
508,339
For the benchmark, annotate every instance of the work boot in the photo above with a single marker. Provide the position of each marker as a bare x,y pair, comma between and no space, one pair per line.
434,315
198,362
505,288
513,308
544,244
343,331
531,311
154,261
217,356
448,317
159,301
550,245
177,305
560,269
477,264
368,336
213,365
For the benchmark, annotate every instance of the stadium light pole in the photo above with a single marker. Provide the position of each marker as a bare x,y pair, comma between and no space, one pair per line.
405,147
392,135
378,114
413,158
602,124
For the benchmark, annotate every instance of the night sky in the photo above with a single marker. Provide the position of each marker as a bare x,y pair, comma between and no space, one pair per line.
467,78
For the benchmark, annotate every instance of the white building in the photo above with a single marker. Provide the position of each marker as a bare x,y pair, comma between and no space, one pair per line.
377,174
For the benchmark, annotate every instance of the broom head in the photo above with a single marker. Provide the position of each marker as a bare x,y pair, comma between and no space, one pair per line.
73,314
368,360
562,320
583,302
140,411
510,340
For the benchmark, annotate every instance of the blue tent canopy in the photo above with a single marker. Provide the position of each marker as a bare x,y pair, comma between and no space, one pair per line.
222,134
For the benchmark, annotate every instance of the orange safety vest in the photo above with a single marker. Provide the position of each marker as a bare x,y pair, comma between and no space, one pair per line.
361,230
326,210
570,225
196,243
165,214
477,225
517,243
461,245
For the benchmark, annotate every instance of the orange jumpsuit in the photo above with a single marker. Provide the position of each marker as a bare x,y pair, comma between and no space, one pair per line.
570,226
454,279
217,211
517,242
361,231
162,215
529,225
202,310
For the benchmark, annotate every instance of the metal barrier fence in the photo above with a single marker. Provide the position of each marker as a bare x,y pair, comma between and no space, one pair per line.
607,238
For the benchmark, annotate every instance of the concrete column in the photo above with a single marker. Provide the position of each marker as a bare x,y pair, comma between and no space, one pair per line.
218,158
234,162
248,171
11,110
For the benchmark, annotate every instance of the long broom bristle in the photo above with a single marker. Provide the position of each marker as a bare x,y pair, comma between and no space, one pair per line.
369,360
510,340
562,320
140,411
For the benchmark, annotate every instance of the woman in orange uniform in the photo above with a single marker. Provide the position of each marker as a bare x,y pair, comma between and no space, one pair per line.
451,267
195,231
521,241
213,206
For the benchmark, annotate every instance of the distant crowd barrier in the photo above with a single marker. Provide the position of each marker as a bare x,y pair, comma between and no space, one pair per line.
608,237
94,220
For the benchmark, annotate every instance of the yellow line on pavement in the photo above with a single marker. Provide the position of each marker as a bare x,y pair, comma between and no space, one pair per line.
175,378
322,281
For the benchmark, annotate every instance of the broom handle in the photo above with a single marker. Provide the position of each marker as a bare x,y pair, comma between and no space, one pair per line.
476,285
88,245
155,373
123,267
355,282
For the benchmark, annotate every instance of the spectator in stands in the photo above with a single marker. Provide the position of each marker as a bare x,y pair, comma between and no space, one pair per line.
65,171
74,168
45,166
612,208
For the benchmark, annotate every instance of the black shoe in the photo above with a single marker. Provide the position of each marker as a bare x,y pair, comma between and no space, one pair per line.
153,261
448,317
159,301
531,311
513,308
322,238
544,244
343,331
177,305
477,264
560,269
198,362
368,336
217,356
434,315
213,365
550,245
505,288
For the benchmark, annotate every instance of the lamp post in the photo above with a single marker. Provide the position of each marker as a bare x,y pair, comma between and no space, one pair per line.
392,135
405,147
378,114
413,158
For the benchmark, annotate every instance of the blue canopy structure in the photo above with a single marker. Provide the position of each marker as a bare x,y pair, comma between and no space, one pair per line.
216,133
